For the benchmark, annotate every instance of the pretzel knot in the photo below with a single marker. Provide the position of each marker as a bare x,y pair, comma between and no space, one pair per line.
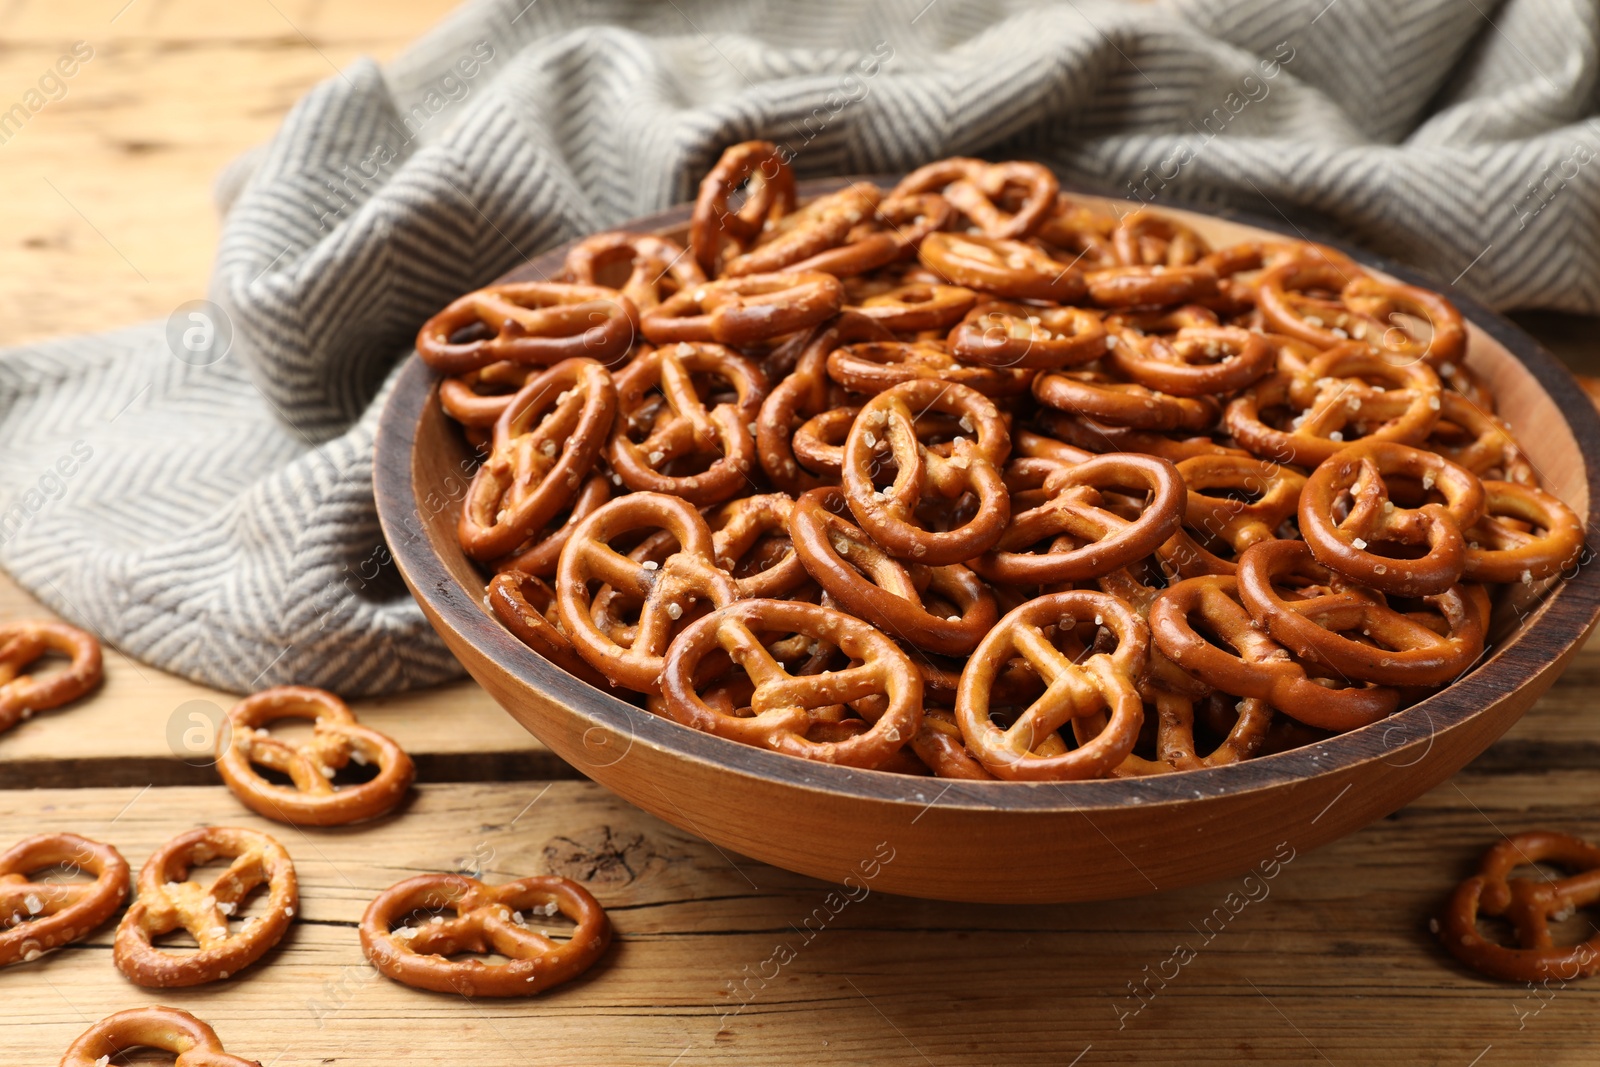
1468,434
657,267
487,919
917,306
1004,268
972,466
545,443
1100,397
1347,388
1390,302
663,592
1351,544
1530,906
782,708
1175,743
658,395
1194,361
867,581
36,917
1021,335
1138,286
751,539
167,900
1146,238
978,188
757,167
1391,648
1085,536
746,310
824,223
877,365
168,1029
1104,681
1249,663
1525,535
25,641
337,741
528,322
1219,520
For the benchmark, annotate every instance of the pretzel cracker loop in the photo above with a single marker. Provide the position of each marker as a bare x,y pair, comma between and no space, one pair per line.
487,919
1104,681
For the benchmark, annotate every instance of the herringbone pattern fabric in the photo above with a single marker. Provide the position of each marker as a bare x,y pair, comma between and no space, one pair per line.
222,525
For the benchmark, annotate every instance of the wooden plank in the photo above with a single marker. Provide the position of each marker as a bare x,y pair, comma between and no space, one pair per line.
138,729
1334,958
108,210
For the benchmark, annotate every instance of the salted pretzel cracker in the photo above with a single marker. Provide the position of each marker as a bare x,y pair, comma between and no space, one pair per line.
545,444
172,1030
746,310
1525,535
781,704
1247,663
682,427
917,306
541,323
36,917
501,919
1194,361
889,516
750,537
802,395
1347,388
895,231
657,266
527,607
810,230
874,366
1002,267
686,580
1395,648
1098,396
168,900
26,641
1255,501
1097,539
866,581
1104,680
756,166
337,741
974,186
1349,544
479,397
540,553
1530,906
998,334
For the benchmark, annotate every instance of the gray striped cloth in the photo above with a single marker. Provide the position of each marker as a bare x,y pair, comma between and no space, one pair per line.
198,491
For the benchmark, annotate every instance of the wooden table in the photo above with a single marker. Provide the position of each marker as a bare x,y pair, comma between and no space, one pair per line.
108,212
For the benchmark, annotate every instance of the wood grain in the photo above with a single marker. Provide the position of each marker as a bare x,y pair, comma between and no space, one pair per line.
135,729
1333,958
108,217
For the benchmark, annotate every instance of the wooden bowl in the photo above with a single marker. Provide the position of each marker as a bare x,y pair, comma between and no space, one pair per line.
1003,842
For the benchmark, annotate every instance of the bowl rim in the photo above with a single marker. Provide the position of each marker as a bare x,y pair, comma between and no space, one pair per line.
1563,616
